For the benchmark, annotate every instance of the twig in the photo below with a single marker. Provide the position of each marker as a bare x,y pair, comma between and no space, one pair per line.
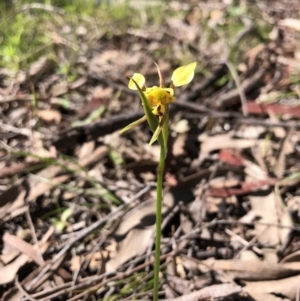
252,241
22,290
11,128
28,218
19,167
6,146
237,116
94,130
241,34
247,85
244,242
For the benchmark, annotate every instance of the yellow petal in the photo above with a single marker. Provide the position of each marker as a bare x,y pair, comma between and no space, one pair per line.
169,90
148,90
183,75
140,80
159,109
158,95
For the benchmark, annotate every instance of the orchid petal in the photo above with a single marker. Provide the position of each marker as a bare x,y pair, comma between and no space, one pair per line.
157,95
139,79
183,75
170,91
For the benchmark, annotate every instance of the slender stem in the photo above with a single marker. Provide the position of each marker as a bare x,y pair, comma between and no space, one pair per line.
159,193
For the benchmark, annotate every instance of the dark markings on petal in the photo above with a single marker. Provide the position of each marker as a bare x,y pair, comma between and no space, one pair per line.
159,110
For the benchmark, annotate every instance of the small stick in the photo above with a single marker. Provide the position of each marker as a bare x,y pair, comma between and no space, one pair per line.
244,242
22,290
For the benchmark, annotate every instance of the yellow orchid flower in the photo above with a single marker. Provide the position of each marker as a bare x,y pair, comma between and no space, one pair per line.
159,98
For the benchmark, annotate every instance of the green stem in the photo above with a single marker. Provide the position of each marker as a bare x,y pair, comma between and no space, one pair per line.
159,194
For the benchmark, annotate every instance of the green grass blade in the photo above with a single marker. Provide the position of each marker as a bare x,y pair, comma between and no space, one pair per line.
133,124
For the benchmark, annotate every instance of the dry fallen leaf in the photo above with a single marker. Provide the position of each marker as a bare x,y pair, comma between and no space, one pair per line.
179,145
24,247
266,208
245,187
286,148
290,22
86,149
210,293
39,67
75,263
9,272
212,143
135,243
223,141
139,225
285,287
251,270
98,260
143,213
50,116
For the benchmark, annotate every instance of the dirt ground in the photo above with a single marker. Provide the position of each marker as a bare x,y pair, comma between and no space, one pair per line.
77,198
